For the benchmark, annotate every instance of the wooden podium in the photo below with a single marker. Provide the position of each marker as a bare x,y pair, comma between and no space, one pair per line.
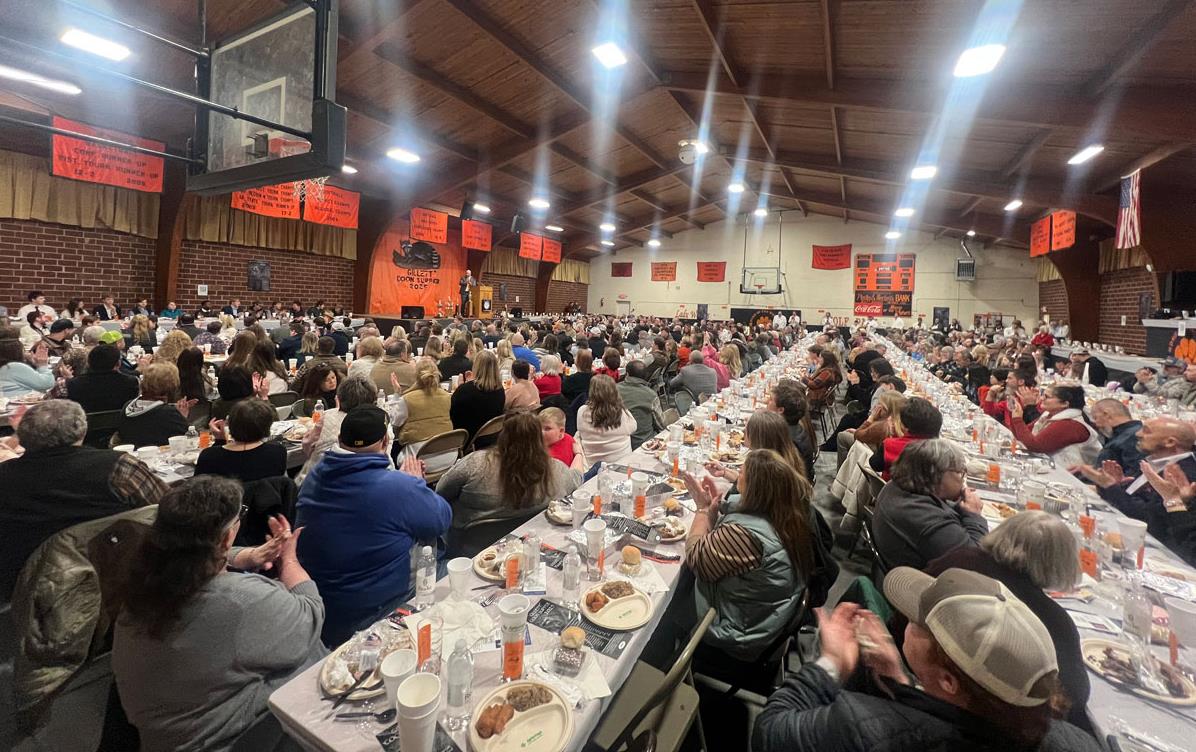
482,302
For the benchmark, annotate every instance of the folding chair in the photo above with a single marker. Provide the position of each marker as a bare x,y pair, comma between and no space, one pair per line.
472,539
283,403
670,708
490,428
101,426
671,416
762,676
442,443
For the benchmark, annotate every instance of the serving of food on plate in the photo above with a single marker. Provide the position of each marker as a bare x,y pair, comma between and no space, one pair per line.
525,715
672,529
653,445
1114,662
488,564
689,438
998,510
341,669
617,605
728,456
30,398
559,512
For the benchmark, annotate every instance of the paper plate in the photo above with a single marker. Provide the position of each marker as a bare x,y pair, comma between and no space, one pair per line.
481,571
364,692
620,614
544,728
559,519
1093,650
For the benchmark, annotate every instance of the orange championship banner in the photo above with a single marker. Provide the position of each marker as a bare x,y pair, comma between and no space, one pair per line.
1040,237
429,225
108,165
530,246
269,201
664,271
620,268
829,257
1063,229
552,251
338,207
476,235
712,271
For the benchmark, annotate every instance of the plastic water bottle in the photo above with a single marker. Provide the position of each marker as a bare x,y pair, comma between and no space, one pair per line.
192,438
317,412
571,587
425,582
381,401
460,680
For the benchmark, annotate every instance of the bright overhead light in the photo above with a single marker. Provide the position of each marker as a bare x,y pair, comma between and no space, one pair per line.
481,209
349,169
971,233
607,227
82,40
16,74
653,243
761,212
1085,154
892,235
904,211
402,155
608,243
735,188
554,228
610,55
538,203
977,61
700,147
1013,205
924,172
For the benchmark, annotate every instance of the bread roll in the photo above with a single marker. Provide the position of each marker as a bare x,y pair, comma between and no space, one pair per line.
573,637
631,556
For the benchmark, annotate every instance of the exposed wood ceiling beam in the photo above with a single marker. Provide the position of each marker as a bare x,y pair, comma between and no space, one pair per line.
1027,152
1134,48
636,225
713,27
1166,114
361,31
493,28
657,204
1154,157
625,185
970,206
828,42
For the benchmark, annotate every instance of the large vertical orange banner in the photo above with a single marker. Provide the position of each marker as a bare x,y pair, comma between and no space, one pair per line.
476,235
530,246
429,225
421,274
1040,237
1063,229
552,251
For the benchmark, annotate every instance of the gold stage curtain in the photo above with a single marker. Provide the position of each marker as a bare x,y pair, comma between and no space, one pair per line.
29,191
572,270
1047,271
1115,259
507,261
213,219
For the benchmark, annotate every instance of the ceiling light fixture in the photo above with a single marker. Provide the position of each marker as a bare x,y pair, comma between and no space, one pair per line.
1085,154
554,228
924,172
971,233
538,203
976,61
904,211
735,188
349,169
608,243
761,212
106,48
892,235
481,209
1013,205
653,243
607,227
610,55
399,154
16,74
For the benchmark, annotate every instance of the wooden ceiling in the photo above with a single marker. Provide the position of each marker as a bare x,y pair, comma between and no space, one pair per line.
815,105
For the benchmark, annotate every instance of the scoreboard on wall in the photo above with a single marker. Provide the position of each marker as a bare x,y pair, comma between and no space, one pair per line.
884,284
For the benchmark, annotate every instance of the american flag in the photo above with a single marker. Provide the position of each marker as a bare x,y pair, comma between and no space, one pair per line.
1129,212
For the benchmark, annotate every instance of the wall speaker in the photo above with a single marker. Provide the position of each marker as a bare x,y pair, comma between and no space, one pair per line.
412,311
518,223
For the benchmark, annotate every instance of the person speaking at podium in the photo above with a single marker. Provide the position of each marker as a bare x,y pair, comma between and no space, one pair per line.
467,281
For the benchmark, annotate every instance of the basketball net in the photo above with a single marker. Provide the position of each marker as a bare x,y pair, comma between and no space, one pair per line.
286,147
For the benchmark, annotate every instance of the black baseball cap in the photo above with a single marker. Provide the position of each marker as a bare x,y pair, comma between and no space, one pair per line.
364,426
61,325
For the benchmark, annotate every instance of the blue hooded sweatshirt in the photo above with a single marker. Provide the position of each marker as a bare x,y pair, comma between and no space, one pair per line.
360,520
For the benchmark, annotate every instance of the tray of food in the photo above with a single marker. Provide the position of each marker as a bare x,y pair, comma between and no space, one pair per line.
559,512
672,530
1113,661
616,605
341,669
524,715
998,511
488,565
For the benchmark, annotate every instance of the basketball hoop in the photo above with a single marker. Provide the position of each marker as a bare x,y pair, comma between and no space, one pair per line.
289,147
313,187
759,286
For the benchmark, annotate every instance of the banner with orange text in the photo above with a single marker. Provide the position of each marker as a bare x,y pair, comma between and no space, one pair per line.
1063,229
420,274
429,225
664,271
476,235
1040,237
77,159
338,207
269,201
552,251
530,246
832,256
712,271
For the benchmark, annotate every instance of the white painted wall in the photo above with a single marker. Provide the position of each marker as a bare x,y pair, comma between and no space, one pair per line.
1005,277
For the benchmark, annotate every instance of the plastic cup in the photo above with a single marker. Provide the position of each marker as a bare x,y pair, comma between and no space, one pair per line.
580,508
1133,539
148,453
124,448
418,700
178,444
395,668
458,572
512,611
639,483
595,530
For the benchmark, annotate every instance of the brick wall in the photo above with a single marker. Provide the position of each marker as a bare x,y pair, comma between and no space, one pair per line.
293,275
1053,297
523,287
561,294
66,262
1119,293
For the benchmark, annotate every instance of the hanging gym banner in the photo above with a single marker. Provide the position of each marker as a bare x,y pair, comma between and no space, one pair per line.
429,225
77,159
1040,237
664,271
1063,229
712,271
551,251
337,207
277,201
831,257
884,285
476,235
530,246
620,268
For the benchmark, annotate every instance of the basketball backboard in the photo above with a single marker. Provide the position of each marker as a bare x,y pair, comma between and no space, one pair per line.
761,280
282,72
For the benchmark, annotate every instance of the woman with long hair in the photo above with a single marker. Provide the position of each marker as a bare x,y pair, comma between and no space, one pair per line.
423,410
319,382
434,349
764,430
172,345
516,477
604,425
752,563
241,350
506,356
74,310
308,346
19,375
884,421
827,374
186,679
481,398
264,361
194,382
729,357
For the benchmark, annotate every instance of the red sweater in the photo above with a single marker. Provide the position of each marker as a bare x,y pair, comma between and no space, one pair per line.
891,448
548,385
1043,339
563,450
1056,435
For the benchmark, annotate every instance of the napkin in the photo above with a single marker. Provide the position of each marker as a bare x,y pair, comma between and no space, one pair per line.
590,684
646,579
463,620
